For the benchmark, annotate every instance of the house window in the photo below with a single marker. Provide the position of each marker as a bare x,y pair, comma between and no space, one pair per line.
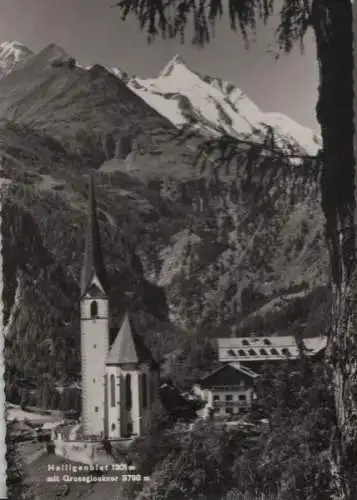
113,427
242,397
94,309
263,352
274,352
286,351
252,352
229,397
215,398
112,390
94,381
241,352
144,389
96,409
128,391
130,429
230,352
267,342
229,411
94,346
245,342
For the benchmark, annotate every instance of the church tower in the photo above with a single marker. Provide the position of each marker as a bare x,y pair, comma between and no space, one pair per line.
94,322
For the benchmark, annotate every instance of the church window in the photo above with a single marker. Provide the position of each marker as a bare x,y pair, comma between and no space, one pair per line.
252,352
113,427
144,389
94,346
263,352
94,309
274,352
112,390
128,392
96,409
241,352
94,381
130,429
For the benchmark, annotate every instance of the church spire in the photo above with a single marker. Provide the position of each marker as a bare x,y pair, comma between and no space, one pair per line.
93,263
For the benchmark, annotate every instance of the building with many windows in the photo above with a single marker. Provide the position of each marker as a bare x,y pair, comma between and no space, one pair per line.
254,352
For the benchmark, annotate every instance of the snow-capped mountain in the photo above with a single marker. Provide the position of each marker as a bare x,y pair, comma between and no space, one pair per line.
217,106
12,54
184,96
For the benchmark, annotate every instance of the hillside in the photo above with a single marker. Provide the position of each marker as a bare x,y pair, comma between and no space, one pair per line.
185,254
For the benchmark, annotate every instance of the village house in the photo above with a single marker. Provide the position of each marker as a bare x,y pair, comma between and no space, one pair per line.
228,391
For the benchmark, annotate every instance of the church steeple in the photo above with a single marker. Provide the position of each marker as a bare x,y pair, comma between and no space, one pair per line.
93,262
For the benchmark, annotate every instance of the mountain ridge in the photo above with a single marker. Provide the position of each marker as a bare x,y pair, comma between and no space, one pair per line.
217,107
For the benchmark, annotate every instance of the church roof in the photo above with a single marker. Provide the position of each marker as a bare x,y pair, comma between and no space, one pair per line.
128,347
93,262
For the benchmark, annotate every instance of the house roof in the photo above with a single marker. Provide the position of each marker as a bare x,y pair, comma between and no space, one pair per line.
266,348
128,347
229,374
93,262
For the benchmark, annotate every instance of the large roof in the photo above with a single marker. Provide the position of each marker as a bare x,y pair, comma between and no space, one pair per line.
266,348
93,262
230,374
129,348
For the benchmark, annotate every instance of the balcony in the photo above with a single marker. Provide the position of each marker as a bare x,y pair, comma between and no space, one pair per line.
228,388
230,404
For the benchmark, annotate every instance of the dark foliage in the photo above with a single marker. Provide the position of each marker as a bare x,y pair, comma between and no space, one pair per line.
285,458
17,487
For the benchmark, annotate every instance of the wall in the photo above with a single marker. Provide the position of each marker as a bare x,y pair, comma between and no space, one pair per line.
79,451
208,395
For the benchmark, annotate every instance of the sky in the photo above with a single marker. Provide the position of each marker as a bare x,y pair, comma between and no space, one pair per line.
92,32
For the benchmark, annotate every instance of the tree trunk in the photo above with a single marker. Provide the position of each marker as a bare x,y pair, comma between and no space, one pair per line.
333,30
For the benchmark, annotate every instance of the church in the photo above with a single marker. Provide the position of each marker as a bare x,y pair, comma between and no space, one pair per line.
121,381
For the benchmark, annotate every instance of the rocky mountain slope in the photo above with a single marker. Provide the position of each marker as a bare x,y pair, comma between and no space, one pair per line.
185,254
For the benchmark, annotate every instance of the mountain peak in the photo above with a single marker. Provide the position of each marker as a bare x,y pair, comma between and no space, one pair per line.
12,47
12,54
177,60
14,51
52,51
